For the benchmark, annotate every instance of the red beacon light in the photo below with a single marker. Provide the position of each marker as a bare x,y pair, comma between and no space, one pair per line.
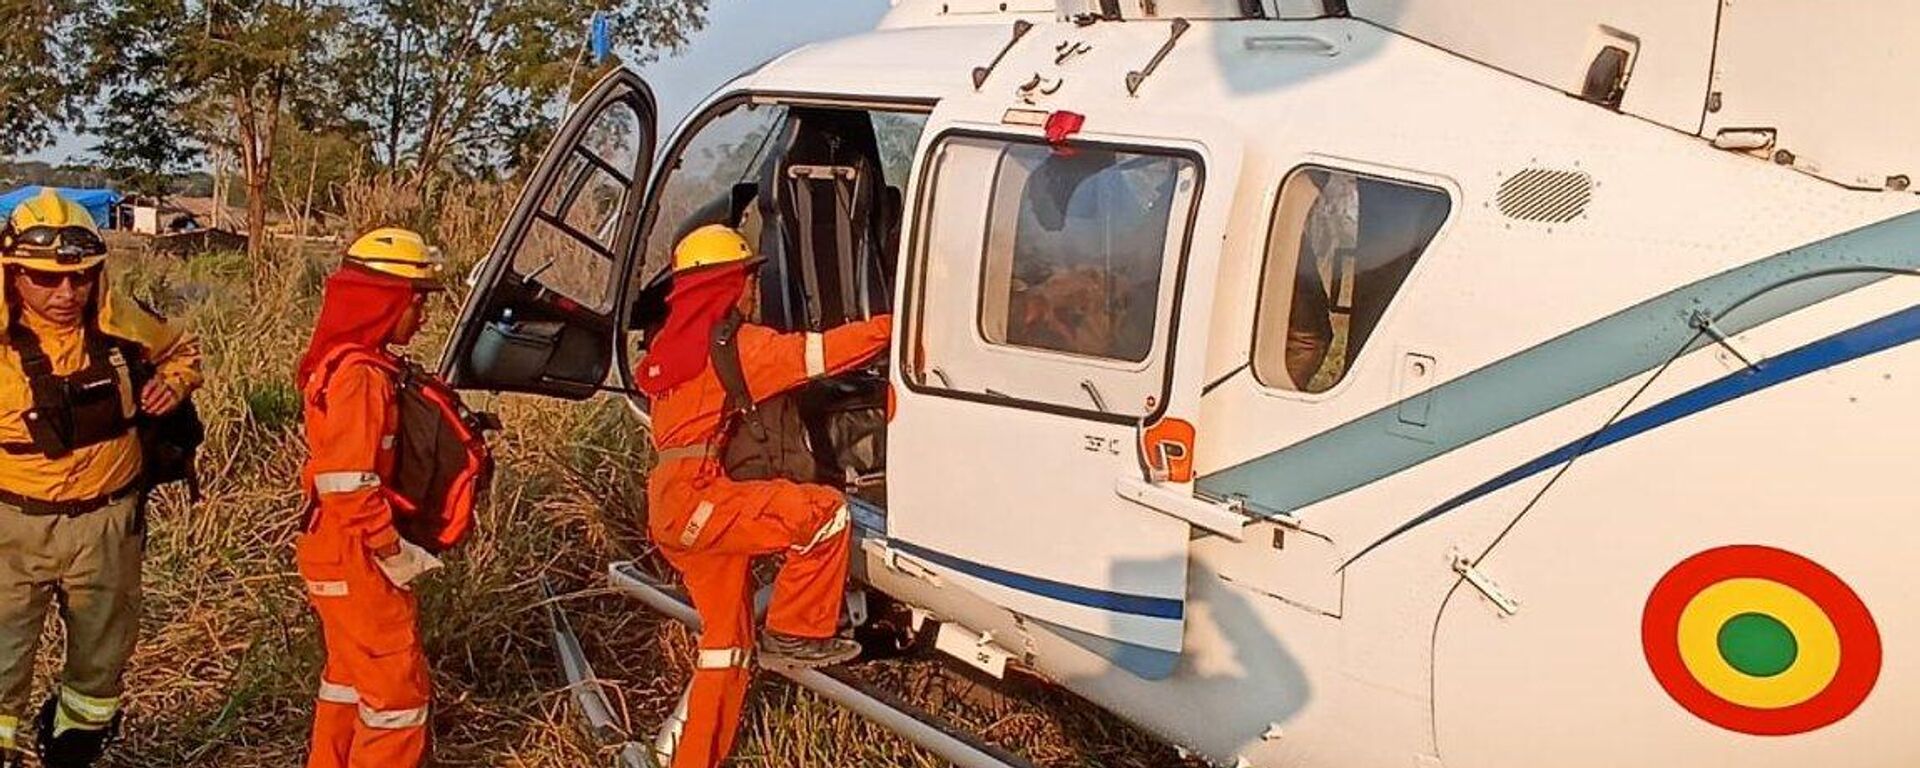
1061,125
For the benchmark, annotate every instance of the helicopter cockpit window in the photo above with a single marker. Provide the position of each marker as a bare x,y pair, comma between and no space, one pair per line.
1341,246
728,149
1076,250
748,162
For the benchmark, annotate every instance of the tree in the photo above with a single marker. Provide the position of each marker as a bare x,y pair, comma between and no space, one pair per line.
463,86
228,69
140,103
143,157
314,161
36,91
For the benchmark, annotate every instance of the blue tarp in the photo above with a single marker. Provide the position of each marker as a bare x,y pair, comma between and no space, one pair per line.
99,202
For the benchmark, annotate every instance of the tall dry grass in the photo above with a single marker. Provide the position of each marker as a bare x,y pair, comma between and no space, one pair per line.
229,655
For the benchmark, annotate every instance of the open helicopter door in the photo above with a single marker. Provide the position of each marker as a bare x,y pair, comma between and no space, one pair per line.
542,317
1054,316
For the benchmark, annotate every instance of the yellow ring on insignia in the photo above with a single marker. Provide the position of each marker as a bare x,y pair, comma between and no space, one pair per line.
1708,614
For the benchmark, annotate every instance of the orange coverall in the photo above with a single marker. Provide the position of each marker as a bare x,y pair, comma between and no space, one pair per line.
710,527
372,708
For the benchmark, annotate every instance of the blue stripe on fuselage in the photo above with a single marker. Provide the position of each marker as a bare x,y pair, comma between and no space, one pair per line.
1117,602
1567,368
1859,341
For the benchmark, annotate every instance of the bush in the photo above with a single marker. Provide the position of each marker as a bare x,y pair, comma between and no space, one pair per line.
272,405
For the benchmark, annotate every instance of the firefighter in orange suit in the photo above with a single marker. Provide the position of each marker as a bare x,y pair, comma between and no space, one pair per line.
372,708
711,527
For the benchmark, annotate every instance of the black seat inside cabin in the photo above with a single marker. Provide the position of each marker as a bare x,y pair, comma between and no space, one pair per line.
831,223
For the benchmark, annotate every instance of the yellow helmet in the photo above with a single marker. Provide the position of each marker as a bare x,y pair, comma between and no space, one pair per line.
52,234
710,245
401,253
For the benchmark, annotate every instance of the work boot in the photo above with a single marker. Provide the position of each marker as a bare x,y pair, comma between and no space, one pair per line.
77,747
782,649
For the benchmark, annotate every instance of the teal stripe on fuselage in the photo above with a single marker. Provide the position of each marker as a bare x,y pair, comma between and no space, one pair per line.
1569,367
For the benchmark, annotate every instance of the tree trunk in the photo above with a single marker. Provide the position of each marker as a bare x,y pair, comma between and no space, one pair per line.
247,122
256,214
258,118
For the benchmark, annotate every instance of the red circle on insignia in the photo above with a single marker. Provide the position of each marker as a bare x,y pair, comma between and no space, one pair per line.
1860,652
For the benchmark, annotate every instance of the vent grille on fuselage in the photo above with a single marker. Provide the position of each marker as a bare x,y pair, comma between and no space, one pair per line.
1545,194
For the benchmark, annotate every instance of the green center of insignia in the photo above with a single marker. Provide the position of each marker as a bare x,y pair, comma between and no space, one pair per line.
1757,644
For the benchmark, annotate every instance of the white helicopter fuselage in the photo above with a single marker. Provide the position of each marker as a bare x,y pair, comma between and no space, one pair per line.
1522,337
1615,475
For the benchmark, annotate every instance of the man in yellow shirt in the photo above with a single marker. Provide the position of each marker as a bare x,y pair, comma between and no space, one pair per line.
80,367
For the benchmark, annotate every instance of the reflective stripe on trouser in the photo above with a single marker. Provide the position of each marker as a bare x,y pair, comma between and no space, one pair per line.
371,699
91,564
335,693
9,732
386,719
827,530
750,519
78,710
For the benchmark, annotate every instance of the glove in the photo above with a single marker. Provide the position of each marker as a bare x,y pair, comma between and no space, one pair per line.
408,564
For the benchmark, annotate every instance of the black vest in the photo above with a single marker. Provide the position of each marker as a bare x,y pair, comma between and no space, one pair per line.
90,406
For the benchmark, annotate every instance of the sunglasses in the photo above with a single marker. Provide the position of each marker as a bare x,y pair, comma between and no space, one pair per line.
69,244
50,280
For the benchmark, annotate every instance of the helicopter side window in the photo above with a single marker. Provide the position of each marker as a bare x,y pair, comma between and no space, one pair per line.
1084,238
1341,246
1049,273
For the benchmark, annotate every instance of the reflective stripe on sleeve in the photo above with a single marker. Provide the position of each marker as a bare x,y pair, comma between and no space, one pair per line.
337,693
816,355
345,482
830,529
721,658
696,524
327,588
393,719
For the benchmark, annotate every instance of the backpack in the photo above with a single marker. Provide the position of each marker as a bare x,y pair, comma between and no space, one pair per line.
763,441
442,465
168,444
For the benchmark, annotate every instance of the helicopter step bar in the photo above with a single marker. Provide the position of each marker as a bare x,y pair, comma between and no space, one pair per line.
587,694
887,711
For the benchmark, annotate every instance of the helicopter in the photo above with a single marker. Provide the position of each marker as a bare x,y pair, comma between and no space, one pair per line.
1319,382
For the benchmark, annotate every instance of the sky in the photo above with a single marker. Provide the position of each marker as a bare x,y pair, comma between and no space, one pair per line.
740,34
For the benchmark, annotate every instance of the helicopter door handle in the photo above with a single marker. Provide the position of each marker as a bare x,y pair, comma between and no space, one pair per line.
1309,44
1227,519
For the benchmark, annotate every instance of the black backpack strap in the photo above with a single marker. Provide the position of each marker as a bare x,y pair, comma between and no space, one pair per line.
33,358
723,349
49,432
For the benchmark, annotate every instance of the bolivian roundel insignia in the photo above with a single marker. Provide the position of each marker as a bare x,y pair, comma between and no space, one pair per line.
1760,640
